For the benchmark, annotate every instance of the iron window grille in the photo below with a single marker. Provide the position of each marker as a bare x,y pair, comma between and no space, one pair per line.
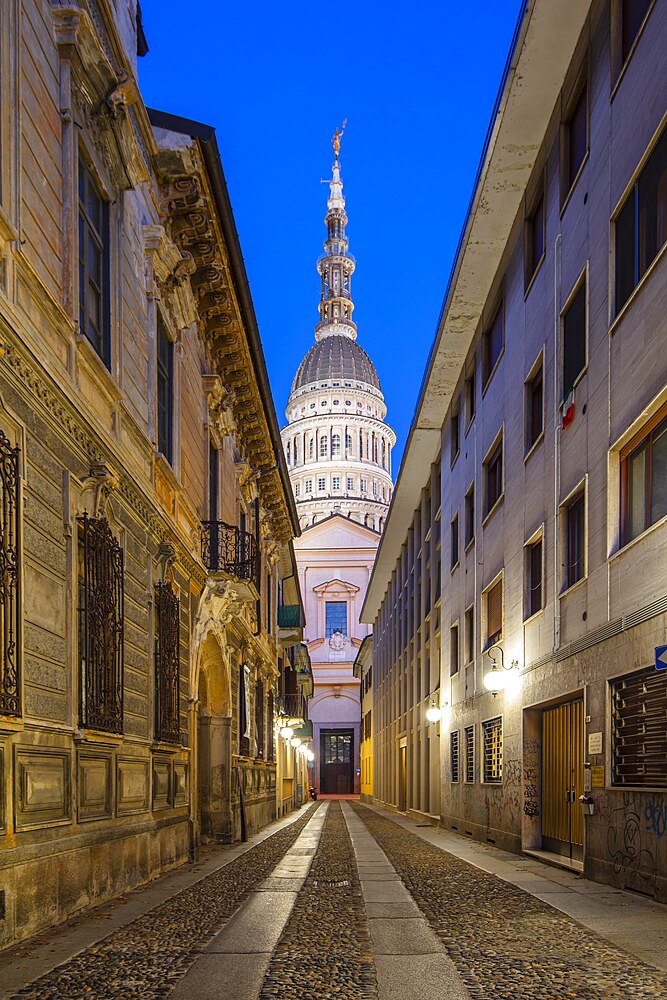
270,727
100,626
469,736
244,741
639,736
492,731
259,719
454,754
167,664
10,663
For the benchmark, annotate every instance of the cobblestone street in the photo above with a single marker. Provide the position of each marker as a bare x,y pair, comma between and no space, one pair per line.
347,902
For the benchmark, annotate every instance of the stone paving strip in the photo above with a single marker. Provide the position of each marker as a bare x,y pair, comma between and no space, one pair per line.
505,943
411,961
147,957
324,951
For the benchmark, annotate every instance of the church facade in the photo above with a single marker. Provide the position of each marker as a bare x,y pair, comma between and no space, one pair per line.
338,449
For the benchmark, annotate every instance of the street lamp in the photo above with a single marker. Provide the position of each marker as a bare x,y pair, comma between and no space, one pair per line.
287,732
433,712
296,742
494,679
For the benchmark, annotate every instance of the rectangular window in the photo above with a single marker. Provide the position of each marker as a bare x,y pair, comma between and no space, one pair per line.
575,141
455,540
533,578
167,664
309,486
470,634
494,477
534,406
100,626
632,17
470,516
350,483
470,396
335,617
453,650
297,490
94,264
492,731
492,344
469,740
454,754
639,736
10,513
574,339
534,239
644,479
641,224
321,483
575,539
494,613
364,485
336,482
165,391
455,433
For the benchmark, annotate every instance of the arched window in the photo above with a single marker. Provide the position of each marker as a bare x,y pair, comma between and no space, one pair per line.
296,451
348,444
384,454
288,453
335,445
311,449
361,444
323,447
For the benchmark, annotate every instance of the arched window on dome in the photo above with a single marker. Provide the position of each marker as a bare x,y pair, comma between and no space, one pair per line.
375,449
288,453
323,447
361,444
311,449
335,445
384,454
296,451
348,445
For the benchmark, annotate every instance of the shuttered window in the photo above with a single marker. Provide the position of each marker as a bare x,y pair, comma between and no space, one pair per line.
492,731
494,612
454,754
469,733
639,729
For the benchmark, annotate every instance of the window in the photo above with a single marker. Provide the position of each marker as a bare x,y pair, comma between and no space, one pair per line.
270,730
639,737
335,617
534,407
167,664
321,483
633,13
455,433
350,483
492,344
534,239
454,754
309,485
94,264
455,540
296,450
375,488
574,145
533,578
644,479
165,391
311,449
575,540
574,339
470,516
469,746
323,447
335,445
470,397
348,438
492,731
244,710
494,613
10,663
453,650
259,720
297,490
336,482
100,626
493,467
364,485
641,224
470,634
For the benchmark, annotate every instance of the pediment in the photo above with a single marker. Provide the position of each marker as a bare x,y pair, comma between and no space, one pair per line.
336,588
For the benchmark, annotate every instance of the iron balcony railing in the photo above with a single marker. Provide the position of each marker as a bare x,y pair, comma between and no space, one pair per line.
228,549
294,705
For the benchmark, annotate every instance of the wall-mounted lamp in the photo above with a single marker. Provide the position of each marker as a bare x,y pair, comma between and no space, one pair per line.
495,680
434,712
295,742
287,732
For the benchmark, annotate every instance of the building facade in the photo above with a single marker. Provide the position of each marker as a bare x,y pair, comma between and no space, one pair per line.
146,537
338,451
536,460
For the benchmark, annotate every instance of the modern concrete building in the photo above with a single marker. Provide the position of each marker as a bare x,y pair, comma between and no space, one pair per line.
146,524
338,450
536,464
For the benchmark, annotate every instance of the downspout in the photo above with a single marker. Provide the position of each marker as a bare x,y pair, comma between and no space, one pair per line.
557,430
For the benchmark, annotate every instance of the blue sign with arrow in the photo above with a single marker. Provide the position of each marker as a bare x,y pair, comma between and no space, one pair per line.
661,657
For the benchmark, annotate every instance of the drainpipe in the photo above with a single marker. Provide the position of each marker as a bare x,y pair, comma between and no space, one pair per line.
557,430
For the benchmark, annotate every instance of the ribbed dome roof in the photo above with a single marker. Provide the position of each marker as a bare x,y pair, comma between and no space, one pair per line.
336,357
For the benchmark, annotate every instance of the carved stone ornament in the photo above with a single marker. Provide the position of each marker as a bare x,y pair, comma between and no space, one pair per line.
166,557
99,485
219,401
337,641
219,606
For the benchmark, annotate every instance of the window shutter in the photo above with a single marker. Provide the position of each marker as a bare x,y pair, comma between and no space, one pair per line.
494,609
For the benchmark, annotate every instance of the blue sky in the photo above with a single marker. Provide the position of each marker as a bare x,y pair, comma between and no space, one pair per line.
416,81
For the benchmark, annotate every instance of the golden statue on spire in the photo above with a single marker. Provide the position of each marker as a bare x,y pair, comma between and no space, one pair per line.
337,136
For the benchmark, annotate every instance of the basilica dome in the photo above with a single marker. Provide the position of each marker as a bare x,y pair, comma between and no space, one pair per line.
336,357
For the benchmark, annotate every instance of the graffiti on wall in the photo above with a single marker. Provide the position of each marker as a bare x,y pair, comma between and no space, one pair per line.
655,814
531,796
629,835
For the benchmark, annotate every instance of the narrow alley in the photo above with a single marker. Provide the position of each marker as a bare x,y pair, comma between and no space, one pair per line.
352,902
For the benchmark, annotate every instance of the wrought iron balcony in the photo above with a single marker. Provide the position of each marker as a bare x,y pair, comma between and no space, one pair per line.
228,549
294,705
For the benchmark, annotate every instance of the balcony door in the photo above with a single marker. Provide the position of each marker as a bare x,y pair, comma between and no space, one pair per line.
337,761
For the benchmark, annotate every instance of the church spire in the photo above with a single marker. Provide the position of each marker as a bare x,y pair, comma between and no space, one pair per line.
336,265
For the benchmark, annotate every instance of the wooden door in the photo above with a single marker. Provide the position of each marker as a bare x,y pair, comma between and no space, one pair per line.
563,779
337,762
